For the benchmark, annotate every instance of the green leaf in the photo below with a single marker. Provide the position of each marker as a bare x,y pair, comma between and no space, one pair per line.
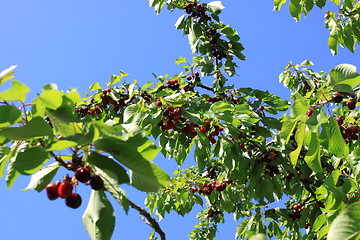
9,114
51,99
347,224
342,72
37,127
337,2
113,175
136,155
43,177
299,108
11,174
337,145
299,138
99,217
180,60
215,6
65,112
320,3
61,145
17,92
312,157
259,236
278,4
180,23
30,160
6,74
295,9
95,86
109,166
117,78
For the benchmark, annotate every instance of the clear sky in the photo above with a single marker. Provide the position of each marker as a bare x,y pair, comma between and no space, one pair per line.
76,43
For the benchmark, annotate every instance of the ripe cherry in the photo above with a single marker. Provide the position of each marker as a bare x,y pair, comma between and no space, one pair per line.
73,201
82,174
351,104
159,103
203,129
96,182
309,112
261,108
65,189
52,191
339,120
337,98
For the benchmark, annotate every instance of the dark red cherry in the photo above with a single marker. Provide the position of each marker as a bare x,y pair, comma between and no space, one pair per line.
73,201
52,191
96,182
82,174
337,98
65,189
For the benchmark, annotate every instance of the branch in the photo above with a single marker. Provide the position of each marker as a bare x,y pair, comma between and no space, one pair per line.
149,220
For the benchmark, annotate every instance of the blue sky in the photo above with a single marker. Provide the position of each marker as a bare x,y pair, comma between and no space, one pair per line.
76,43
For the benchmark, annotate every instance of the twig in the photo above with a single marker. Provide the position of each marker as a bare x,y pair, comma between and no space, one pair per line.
149,220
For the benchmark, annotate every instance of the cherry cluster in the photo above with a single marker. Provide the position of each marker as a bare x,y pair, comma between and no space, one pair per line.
170,116
207,189
216,52
213,213
64,189
338,98
197,10
172,84
106,101
295,212
214,99
348,131
214,133
268,157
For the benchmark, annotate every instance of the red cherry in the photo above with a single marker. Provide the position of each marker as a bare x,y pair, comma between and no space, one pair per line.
261,108
158,103
82,174
73,201
351,104
52,191
65,189
202,129
339,120
242,145
96,182
337,98
309,112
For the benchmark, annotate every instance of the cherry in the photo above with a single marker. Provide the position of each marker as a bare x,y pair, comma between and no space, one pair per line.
261,108
339,120
82,174
337,98
96,182
159,103
351,104
73,201
309,112
203,129
52,191
65,189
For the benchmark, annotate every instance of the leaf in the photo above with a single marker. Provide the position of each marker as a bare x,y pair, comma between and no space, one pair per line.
299,138
295,9
61,145
342,72
95,86
346,225
109,166
6,74
278,4
43,177
9,114
312,157
215,6
17,92
99,217
259,236
30,160
37,127
51,98
180,23
136,155
337,145
337,2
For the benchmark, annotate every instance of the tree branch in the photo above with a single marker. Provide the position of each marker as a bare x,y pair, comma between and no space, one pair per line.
149,220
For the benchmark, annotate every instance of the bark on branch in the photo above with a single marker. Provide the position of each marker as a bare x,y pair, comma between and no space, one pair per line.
149,220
